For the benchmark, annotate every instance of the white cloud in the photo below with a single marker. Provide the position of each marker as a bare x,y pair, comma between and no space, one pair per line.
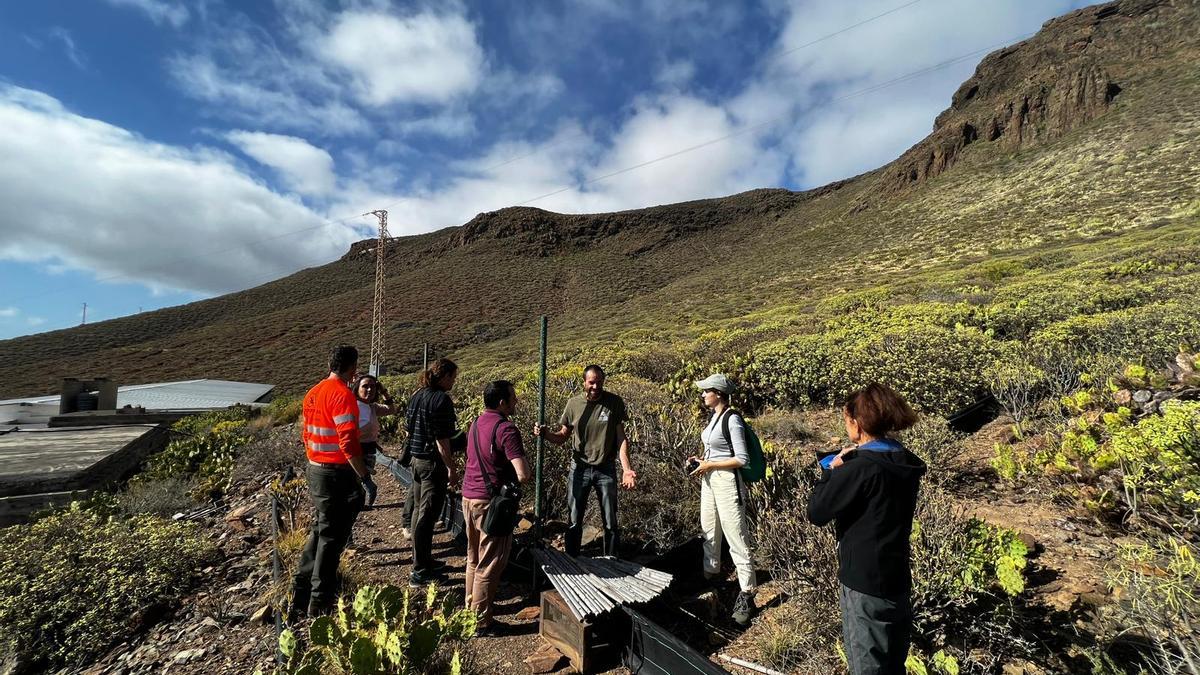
266,94
676,74
304,167
160,11
8,312
82,192
424,58
34,320
69,47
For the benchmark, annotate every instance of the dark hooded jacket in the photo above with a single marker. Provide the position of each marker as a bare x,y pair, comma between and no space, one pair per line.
871,498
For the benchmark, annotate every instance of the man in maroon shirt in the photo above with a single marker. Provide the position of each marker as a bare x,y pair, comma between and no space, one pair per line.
495,457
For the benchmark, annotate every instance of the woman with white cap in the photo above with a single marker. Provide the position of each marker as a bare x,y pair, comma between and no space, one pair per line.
723,492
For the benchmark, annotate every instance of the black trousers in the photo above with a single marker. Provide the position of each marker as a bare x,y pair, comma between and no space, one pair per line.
337,497
431,481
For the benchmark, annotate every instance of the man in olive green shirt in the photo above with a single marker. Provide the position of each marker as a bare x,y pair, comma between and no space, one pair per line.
595,422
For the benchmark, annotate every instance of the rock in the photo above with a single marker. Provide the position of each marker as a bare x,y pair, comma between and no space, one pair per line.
262,615
591,534
1123,397
239,518
1142,396
545,660
187,655
524,525
209,622
529,613
1031,542
1186,363
1150,407
1021,668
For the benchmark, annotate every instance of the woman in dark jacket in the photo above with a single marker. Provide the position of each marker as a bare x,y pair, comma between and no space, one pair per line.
869,491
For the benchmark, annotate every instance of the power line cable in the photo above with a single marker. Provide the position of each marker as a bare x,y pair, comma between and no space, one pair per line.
677,153
511,160
768,122
848,28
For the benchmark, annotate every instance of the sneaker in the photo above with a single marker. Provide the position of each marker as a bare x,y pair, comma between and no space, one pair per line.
404,532
423,578
743,608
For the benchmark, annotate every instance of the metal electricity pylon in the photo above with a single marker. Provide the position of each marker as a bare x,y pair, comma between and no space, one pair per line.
377,314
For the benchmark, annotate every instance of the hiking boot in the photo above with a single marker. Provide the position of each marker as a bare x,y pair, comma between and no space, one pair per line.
423,578
743,608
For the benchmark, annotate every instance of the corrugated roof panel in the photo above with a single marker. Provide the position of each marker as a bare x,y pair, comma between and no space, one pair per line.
182,395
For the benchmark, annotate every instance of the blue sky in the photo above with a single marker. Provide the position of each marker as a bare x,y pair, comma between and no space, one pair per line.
157,152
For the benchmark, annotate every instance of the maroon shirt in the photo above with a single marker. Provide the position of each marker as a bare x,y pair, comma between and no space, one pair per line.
499,442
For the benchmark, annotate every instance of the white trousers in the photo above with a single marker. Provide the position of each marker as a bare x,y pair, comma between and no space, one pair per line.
723,517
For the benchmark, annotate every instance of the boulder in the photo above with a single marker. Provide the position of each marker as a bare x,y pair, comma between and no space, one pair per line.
547,659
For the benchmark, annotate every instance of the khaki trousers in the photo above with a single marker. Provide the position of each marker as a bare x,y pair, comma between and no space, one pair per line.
487,557
723,516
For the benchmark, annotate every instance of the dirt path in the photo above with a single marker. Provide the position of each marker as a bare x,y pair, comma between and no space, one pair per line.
388,559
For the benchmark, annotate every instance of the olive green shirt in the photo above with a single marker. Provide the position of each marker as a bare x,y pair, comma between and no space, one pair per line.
594,427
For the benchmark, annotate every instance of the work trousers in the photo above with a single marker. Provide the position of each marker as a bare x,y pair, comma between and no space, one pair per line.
487,556
430,483
581,480
723,517
876,632
337,497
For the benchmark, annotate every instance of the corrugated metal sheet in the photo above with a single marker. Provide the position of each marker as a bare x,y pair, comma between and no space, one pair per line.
183,395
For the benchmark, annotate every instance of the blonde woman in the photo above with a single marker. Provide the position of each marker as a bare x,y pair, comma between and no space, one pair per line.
723,492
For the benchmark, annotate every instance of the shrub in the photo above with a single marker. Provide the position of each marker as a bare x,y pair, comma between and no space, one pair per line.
938,369
1149,331
1157,586
933,440
1156,458
382,631
77,581
156,496
270,451
205,448
284,409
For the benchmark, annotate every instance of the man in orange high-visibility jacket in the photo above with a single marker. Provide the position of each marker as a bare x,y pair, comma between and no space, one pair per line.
335,471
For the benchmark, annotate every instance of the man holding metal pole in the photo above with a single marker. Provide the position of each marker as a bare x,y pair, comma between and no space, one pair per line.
595,421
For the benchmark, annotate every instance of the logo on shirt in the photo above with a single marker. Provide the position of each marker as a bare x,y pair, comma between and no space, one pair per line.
603,416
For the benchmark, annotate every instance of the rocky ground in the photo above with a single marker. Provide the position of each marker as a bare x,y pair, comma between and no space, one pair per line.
227,625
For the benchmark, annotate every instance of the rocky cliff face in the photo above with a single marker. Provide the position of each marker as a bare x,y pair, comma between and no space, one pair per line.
1069,74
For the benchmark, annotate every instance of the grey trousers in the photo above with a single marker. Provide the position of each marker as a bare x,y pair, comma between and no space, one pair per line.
876,632
582,479
337,498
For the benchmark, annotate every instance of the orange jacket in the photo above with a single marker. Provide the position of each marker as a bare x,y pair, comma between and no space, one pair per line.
330,431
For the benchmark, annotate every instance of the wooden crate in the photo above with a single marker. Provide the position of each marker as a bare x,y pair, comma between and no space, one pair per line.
559,627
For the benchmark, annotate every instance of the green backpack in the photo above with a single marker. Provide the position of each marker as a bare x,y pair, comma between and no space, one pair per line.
756,468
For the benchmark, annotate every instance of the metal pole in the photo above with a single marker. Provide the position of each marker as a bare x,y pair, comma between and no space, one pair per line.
538,445
275,565
537,490
425,358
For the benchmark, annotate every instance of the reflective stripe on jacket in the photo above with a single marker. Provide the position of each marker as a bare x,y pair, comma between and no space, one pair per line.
330,431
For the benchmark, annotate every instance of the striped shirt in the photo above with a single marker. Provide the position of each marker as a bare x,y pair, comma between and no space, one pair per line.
430,416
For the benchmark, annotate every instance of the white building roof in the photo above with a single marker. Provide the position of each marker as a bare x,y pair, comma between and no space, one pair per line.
182,395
